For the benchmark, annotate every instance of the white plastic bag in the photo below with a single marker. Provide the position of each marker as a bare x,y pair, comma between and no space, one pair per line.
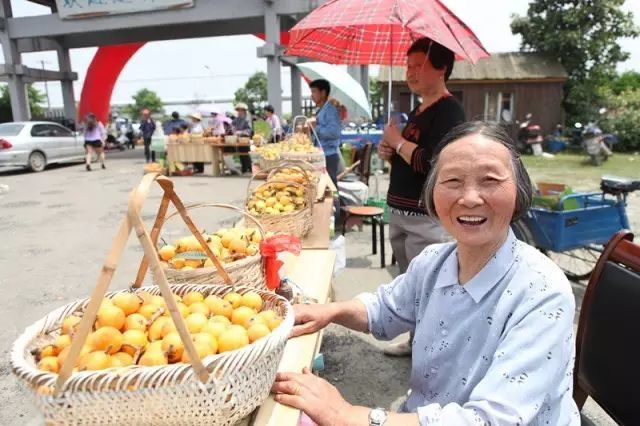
339,246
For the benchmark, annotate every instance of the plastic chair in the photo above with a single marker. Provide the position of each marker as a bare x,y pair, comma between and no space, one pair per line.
607,348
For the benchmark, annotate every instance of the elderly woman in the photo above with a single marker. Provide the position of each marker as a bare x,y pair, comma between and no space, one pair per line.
493,317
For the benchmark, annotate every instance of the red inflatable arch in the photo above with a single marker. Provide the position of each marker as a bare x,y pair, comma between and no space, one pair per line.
103,72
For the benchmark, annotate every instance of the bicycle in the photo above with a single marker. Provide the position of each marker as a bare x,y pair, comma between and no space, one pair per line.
574,232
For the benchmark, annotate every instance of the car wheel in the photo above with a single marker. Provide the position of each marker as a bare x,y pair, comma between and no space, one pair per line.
37,161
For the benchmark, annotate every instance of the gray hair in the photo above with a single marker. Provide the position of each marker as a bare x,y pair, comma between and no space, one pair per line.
496,133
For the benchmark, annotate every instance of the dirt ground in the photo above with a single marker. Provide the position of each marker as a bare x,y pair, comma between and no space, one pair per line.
57,227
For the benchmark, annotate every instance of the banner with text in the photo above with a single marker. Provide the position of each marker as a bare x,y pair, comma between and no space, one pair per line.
74,9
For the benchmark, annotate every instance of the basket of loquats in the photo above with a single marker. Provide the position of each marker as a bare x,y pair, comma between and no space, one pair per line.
296,171
187,260
281,206
182,354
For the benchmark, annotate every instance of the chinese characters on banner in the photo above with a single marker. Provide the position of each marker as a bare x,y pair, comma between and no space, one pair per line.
73,9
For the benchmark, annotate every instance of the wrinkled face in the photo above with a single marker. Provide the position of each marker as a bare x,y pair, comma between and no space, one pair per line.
475,191
420,73
318,96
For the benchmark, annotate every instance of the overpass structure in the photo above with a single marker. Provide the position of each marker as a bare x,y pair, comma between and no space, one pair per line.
204,18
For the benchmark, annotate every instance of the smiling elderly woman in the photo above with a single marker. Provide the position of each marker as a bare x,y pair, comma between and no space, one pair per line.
493,317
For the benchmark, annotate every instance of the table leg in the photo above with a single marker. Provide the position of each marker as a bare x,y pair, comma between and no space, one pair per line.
216,161
344,222
374,241
382,259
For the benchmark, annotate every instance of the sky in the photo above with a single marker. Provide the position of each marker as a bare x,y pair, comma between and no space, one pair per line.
215,67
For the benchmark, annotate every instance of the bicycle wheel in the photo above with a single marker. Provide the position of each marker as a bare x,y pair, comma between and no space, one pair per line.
577,264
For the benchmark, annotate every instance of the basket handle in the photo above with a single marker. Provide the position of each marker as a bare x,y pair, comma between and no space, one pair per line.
295,168
132,220
161,220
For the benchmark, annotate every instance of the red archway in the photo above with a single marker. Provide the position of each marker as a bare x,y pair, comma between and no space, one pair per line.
104,70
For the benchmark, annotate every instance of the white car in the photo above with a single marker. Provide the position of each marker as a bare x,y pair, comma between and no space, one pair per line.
35,144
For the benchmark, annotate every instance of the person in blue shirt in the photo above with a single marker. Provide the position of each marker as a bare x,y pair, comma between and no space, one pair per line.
327,126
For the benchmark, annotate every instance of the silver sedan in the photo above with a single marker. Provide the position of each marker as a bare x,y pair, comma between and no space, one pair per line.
35,144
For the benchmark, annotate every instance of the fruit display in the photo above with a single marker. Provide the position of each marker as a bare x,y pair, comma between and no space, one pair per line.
297,143
228,245
275,198
136,329
293,174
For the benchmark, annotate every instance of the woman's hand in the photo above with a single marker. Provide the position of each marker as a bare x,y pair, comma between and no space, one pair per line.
319,399
392,136
385,151
311,318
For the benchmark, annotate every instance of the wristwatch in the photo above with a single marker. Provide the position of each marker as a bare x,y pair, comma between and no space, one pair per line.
377,417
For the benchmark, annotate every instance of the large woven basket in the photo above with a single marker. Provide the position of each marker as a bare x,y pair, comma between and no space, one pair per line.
219,390
316,159
297,223
250,269
269,164
238,383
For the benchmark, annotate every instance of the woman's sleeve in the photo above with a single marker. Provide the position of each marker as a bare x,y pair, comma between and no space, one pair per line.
103,131
391,310
443,122
533,360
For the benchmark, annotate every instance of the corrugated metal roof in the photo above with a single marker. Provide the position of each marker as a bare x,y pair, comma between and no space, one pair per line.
499,66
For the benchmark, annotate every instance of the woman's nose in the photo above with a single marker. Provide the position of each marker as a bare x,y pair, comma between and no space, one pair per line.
471,196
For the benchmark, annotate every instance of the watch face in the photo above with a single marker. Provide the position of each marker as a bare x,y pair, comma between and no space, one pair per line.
378,415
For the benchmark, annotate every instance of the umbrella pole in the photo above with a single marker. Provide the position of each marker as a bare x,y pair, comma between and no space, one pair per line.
390,78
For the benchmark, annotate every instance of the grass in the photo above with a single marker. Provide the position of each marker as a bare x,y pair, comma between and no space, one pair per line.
575,171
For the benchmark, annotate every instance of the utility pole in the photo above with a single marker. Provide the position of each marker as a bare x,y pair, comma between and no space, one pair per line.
46,88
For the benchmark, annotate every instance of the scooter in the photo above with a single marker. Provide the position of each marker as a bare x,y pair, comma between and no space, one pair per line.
529,139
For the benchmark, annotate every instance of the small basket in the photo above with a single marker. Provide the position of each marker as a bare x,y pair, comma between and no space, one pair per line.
297,223
250,269
218,390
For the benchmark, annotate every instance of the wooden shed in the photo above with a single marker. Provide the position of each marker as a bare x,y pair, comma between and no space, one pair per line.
504,87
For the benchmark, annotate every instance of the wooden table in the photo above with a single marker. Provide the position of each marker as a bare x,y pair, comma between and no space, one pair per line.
312,271
203,153
318,237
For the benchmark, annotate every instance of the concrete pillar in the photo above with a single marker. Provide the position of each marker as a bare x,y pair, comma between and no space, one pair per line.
272,32
364,79
17,86
354,71
296,91
68,98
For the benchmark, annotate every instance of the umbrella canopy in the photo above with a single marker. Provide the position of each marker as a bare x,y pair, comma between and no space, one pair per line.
379,31
344,88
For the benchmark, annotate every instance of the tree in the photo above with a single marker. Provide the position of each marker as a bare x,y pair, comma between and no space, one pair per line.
583,36
375,96
254,92
625,81
35,97
144,98
622,117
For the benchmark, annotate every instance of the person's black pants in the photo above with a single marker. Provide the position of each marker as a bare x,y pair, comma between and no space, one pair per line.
148,154
245,160
332,164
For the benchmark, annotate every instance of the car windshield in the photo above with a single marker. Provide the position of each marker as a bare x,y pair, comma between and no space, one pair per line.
10,129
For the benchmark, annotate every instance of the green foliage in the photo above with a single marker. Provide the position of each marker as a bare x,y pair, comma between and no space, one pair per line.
625,81
144,98
261,127
254,92
35,97
375,93
583,36
622,117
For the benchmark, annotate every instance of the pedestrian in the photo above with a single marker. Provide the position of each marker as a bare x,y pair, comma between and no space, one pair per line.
410,151
216,124
327,126
175,121
242,127
274,124
95,136
196,128
147,128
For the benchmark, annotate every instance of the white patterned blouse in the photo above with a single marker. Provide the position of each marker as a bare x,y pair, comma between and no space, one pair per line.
498,350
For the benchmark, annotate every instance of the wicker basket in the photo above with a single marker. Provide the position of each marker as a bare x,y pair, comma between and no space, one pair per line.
239,381
219,390
316,159
297,223
249,269
269,164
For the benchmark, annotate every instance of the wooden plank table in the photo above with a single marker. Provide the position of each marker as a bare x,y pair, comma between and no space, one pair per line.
318,237
312,271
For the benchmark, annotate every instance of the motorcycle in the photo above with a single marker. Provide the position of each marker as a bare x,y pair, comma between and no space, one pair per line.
529,139
596,145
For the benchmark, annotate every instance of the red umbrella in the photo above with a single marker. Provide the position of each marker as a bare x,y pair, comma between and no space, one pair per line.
379,32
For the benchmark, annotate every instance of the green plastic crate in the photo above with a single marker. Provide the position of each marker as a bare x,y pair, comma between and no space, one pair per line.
382,203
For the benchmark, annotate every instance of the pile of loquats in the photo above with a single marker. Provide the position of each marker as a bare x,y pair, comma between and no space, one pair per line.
276,198
136,329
